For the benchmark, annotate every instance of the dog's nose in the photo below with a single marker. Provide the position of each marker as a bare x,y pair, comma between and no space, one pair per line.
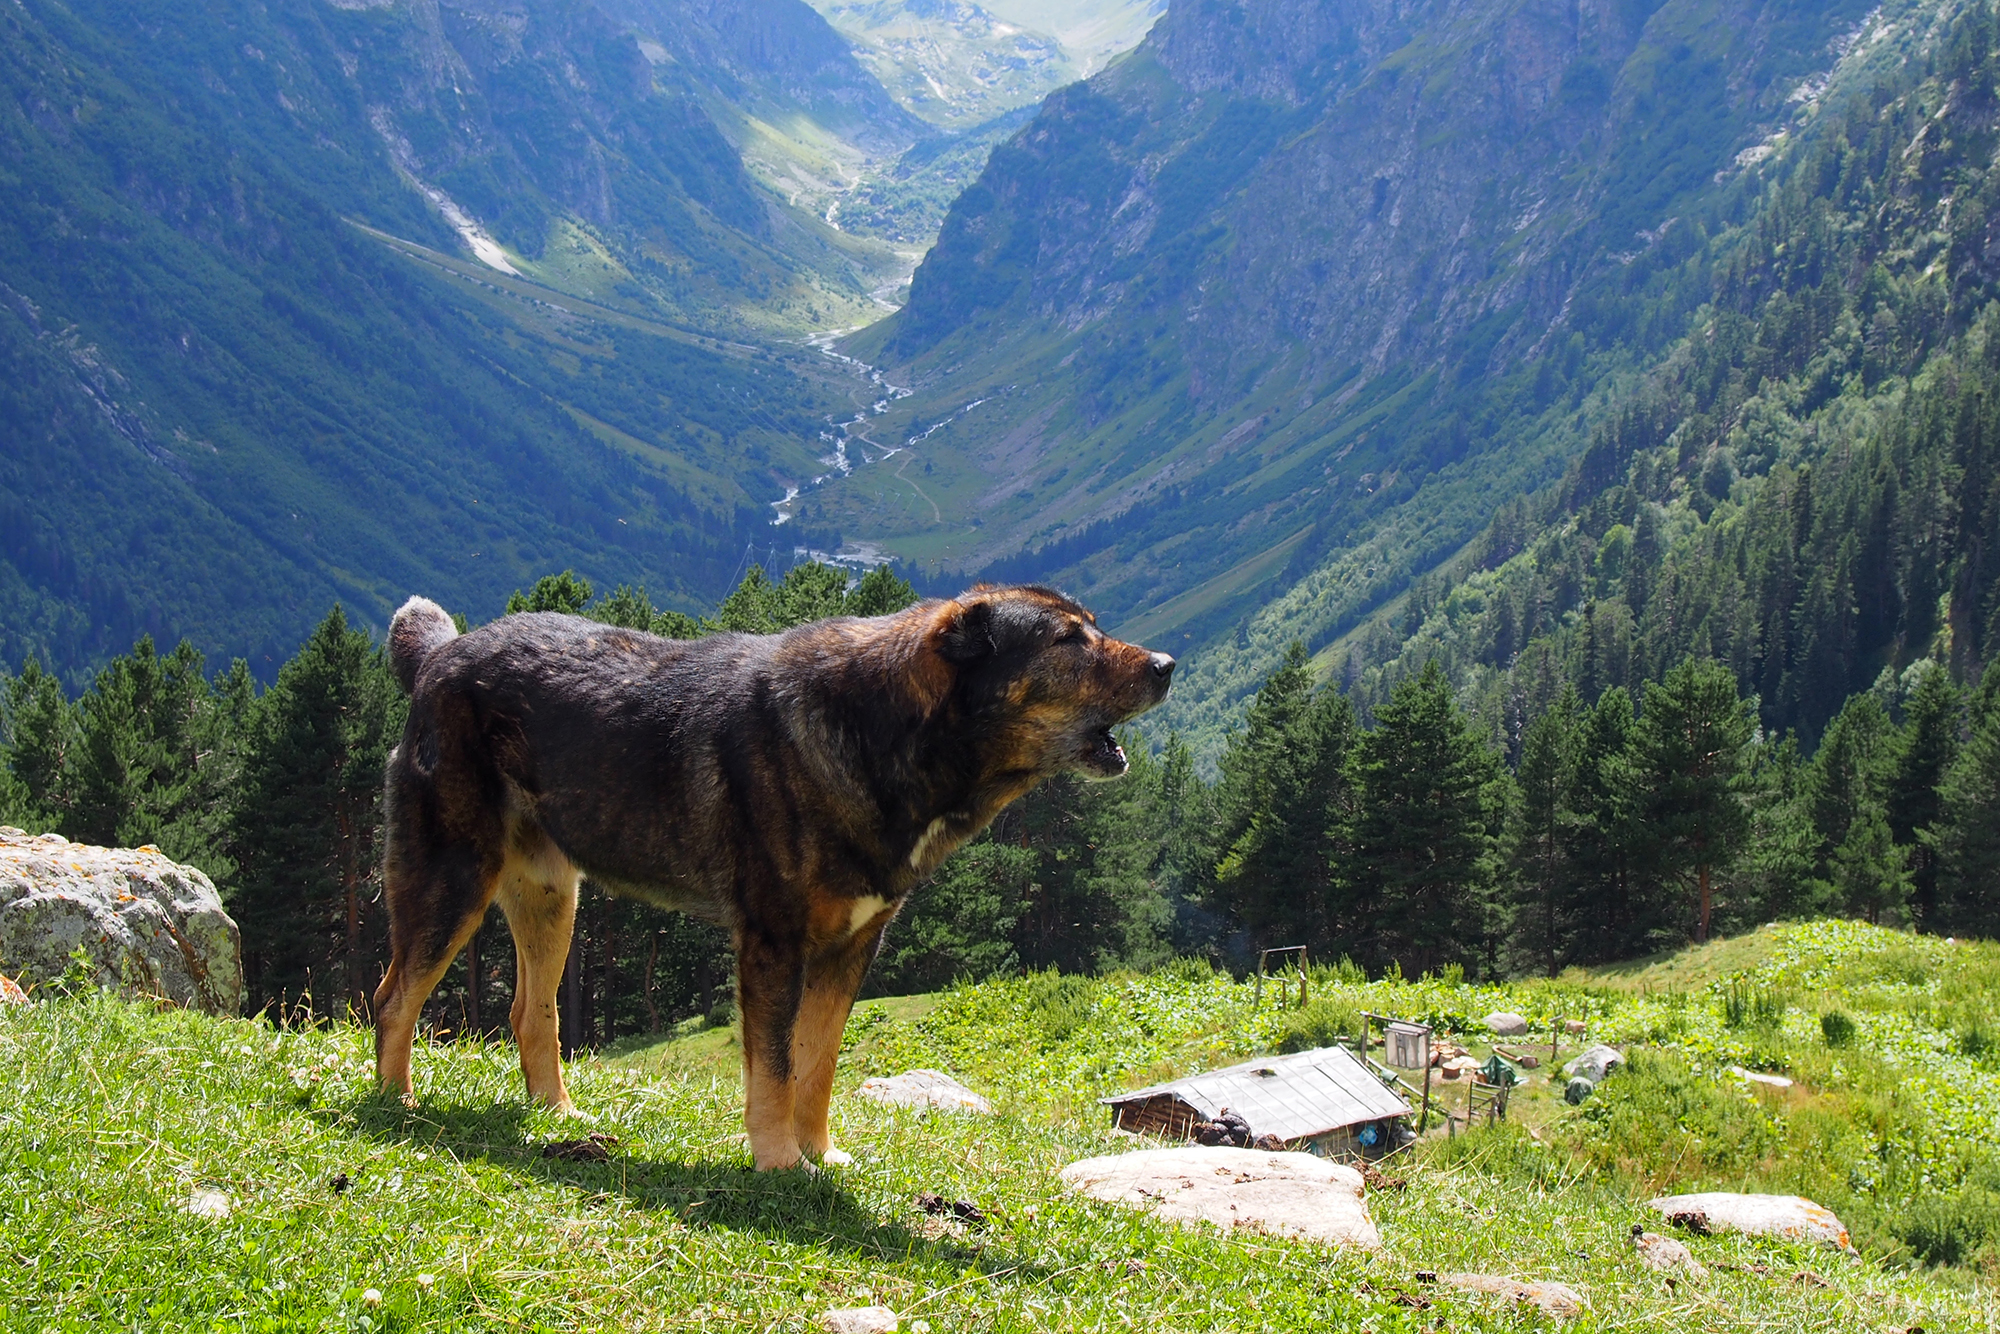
1163,666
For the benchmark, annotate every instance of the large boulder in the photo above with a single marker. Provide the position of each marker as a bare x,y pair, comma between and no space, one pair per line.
1281,1194
148,924
1506,1024
1791,1216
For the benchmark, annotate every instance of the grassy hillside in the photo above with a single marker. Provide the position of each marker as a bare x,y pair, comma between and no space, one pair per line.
348,1212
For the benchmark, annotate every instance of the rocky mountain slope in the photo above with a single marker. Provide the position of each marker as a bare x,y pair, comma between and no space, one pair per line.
1299,280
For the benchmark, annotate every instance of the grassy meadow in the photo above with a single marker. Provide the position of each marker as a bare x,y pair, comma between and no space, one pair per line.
161,1170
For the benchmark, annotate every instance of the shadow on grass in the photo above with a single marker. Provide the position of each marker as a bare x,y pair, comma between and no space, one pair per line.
808,1209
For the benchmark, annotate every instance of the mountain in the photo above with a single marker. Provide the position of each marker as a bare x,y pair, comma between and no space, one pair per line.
1300,292
304,302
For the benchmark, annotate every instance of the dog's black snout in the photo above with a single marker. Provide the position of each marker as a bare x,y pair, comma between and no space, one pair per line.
1163,666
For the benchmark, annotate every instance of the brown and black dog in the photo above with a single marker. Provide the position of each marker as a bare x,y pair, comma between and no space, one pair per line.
793,787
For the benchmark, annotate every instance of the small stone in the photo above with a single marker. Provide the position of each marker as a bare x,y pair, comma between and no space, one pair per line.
933,1089
1556,1299
1596,1063
1663,1252
860,1320
205,1203
1506,1024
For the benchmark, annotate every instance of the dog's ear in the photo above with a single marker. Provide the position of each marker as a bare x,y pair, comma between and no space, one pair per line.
964,633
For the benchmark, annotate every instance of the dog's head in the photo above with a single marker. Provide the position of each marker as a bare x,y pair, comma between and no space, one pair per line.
1043,682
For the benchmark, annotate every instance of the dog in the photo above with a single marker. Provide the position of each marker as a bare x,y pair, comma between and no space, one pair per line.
793,787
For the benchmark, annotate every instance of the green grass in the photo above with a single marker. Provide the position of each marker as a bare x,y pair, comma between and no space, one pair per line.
118,1113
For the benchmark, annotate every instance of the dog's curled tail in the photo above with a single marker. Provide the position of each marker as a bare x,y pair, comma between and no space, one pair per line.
419,630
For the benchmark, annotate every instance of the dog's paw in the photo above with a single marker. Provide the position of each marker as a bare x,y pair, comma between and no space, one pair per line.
836,1158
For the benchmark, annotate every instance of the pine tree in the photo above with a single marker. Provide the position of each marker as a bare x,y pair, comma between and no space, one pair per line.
1922,755
1284,790
41,738
880,592
1538,837
1607,839
309,819
1689,751
1966,836
565,592
1419,860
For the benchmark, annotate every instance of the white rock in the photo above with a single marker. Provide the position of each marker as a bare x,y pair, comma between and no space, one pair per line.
1283,1194
1557,1299
1596,1063
860,1320
1791,1216
925,1088
148,924
1759,1077
205,1203
1504,1023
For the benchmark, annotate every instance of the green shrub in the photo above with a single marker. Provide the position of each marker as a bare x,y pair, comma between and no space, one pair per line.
1744,1006
1950,1229
1836,1028
1977,1041
1661,1120
1321,1023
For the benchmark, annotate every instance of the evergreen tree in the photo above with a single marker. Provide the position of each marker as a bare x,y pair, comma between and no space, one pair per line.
960,925
1966,835
1419,856
308,824
1922,755
1608,841
157,755
1284,792
1689,751
1845,779
565,592
880,592
1778,875
1538,841
41,737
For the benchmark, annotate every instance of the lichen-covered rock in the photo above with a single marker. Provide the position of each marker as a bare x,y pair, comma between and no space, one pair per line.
147,923
1792,1216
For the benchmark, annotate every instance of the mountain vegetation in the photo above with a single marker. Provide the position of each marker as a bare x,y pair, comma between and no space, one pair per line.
244,1173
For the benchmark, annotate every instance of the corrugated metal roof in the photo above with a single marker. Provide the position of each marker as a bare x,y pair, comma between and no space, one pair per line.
1292,1097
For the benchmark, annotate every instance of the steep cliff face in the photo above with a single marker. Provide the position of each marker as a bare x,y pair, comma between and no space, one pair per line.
1361,184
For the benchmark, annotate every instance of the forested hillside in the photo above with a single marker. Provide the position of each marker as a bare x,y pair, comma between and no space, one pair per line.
1803,487
246,369
1291,281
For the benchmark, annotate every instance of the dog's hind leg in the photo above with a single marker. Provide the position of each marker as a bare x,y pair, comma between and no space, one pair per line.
436,901
538,889
831,983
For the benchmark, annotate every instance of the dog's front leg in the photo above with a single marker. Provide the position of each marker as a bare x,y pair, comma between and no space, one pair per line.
832,981
770,983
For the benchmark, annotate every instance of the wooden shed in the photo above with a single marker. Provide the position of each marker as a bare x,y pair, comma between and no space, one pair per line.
1318,1100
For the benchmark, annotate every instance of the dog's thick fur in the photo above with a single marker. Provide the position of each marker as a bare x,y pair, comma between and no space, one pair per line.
793,787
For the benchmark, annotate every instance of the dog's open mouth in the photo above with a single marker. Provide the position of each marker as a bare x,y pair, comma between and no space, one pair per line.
1102,755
